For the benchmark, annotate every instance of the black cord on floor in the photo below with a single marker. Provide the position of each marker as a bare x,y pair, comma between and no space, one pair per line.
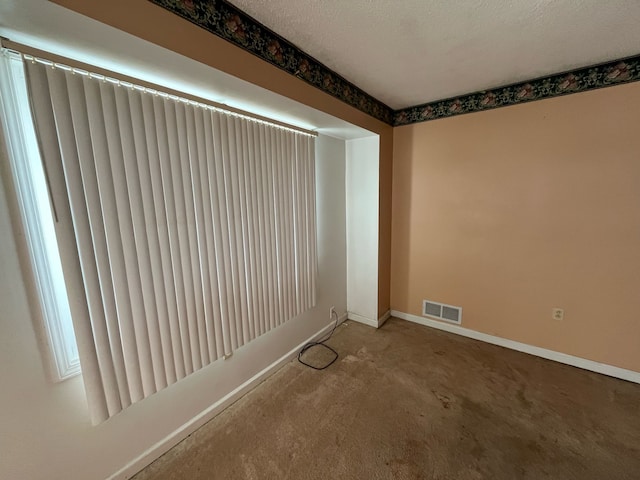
320,343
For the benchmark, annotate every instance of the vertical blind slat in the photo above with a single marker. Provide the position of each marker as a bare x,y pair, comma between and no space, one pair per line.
179,247
277,223
246,258
188,241
290,243
309,159
174,285
198,175
296,227
286,250
223,235
213,224
147,246
254,232
233,162
269,273
159,246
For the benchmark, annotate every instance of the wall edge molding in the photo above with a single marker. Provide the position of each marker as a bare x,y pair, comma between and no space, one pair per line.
583,363
186,429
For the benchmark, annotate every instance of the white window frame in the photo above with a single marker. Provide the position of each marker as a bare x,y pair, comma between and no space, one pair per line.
32,192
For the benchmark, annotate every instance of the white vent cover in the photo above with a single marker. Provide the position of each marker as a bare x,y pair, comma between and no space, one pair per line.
441,311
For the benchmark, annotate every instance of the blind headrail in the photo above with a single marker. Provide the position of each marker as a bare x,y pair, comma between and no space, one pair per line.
110,74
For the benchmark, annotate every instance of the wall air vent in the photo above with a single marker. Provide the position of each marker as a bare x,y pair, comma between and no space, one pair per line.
441,311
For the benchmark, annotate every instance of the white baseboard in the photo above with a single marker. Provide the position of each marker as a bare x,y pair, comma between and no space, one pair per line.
384,318
369,321
175,437
583,363
362,319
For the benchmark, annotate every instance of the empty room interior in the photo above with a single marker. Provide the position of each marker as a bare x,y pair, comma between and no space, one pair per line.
320,239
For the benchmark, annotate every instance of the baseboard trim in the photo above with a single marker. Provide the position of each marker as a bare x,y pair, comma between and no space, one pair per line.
384,318
369,321
583,363
175,437
362,319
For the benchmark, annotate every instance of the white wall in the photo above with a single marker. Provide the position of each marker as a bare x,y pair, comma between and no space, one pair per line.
362,178
45,429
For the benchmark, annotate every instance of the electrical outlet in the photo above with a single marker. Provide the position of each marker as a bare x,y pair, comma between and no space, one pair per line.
332,311
557,314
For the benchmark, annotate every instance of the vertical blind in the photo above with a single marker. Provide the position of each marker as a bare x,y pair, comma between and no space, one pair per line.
185,231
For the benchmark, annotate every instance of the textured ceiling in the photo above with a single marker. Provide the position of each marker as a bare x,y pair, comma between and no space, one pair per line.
409,52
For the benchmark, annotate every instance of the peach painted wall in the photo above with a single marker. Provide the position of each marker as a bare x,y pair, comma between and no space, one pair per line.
512,212
152,23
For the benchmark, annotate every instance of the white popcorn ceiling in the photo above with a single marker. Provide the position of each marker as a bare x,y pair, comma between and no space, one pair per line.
408,52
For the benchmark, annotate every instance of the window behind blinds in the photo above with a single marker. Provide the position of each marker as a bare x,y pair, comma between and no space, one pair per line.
184,231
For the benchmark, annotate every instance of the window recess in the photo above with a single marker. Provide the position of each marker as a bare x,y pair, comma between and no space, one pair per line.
184,231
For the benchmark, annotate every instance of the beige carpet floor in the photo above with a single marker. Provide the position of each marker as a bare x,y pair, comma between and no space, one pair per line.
409,402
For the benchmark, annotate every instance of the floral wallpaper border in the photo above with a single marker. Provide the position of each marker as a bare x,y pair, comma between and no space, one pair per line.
226,21
576,81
